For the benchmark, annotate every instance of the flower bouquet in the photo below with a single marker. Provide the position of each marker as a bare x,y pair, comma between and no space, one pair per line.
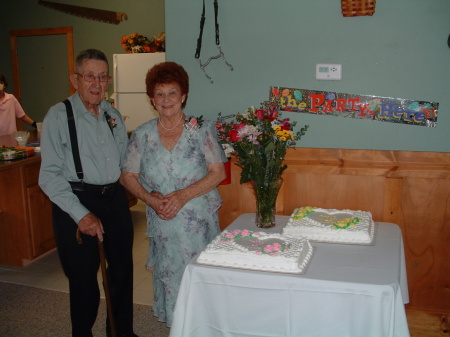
259,138
136,43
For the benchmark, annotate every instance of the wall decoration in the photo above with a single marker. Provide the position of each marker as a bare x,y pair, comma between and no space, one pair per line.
221,55
87,12
384,109
358,7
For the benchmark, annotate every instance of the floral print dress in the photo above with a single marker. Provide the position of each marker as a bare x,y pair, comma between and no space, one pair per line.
174,242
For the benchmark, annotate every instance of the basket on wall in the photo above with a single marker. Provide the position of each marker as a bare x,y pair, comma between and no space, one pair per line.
358,7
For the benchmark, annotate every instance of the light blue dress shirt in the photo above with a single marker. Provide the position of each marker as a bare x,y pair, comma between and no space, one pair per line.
101,153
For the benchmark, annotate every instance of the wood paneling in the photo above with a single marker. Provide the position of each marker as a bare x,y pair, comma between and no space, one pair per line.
411,189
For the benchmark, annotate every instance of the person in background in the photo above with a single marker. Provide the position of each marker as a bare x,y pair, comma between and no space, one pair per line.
10,109
174,164
92,205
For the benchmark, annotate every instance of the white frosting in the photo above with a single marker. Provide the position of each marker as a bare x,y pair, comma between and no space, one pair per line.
331,225
258,251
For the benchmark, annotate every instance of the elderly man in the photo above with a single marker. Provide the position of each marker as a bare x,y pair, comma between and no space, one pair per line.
83,142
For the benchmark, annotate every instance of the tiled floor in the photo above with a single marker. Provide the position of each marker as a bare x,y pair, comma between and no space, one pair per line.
47,273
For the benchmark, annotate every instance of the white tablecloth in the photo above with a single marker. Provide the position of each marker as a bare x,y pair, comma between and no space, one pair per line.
347,290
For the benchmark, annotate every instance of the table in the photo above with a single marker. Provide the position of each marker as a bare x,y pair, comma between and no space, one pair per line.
347,290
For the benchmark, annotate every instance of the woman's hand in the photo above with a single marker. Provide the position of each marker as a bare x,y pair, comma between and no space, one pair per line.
153,199
177,199
174,202
158,203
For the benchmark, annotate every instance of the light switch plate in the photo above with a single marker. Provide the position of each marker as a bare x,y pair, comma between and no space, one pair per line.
326,71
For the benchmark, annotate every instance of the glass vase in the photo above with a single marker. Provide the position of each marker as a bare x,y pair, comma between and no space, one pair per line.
266,198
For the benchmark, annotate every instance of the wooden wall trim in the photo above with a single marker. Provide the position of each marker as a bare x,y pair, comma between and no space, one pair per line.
394,164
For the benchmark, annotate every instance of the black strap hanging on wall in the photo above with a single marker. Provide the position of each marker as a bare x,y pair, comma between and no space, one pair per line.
200,38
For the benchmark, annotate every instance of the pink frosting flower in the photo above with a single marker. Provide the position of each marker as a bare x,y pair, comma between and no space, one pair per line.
236,232
245,232
268,248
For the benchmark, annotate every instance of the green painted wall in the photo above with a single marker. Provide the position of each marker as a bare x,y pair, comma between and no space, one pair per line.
399,52
144,16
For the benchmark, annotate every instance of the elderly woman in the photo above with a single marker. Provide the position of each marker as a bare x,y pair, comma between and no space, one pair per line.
174,164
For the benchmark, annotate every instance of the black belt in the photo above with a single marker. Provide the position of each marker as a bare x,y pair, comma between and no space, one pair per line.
101,190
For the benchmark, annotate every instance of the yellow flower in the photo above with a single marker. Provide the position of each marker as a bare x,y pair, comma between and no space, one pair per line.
283,138
277,128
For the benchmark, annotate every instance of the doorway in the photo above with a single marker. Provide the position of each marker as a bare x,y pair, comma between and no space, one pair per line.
42,60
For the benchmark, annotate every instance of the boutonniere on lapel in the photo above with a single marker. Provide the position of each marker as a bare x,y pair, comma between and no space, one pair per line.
192,125
111,121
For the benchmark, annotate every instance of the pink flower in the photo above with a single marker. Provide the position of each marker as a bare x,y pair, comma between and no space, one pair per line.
259,114
193,122
273,113
258,252
285,124
229,235
273,254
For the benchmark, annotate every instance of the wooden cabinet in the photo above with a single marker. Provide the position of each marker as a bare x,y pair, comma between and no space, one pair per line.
41,228
26,230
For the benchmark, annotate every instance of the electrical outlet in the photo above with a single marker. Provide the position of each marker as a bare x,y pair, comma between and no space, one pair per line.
325,71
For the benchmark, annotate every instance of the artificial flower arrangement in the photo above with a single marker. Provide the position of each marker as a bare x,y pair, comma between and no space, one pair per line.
260,138
137,43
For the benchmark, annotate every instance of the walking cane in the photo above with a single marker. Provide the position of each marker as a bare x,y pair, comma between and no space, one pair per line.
109,308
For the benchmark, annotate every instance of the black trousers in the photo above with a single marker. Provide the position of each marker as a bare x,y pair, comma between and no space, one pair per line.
81,262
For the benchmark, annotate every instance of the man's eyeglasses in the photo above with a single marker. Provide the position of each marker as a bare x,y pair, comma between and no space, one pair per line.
92,78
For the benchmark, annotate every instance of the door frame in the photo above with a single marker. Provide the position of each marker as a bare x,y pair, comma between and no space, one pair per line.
14,34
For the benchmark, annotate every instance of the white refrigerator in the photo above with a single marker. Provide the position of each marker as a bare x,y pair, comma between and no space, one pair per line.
130,96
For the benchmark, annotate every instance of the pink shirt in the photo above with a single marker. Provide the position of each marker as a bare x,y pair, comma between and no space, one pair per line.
10,109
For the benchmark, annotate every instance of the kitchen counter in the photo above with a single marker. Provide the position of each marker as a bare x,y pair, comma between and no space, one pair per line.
26,229
9,164
10,141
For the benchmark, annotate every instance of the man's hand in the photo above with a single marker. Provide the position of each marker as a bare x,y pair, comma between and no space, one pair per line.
91,225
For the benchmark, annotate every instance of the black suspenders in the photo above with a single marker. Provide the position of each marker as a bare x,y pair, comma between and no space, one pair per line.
74,139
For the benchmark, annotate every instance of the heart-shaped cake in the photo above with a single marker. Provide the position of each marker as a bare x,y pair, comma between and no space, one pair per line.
258,251
331,225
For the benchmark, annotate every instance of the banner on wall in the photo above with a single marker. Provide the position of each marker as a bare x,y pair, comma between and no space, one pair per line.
385,109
